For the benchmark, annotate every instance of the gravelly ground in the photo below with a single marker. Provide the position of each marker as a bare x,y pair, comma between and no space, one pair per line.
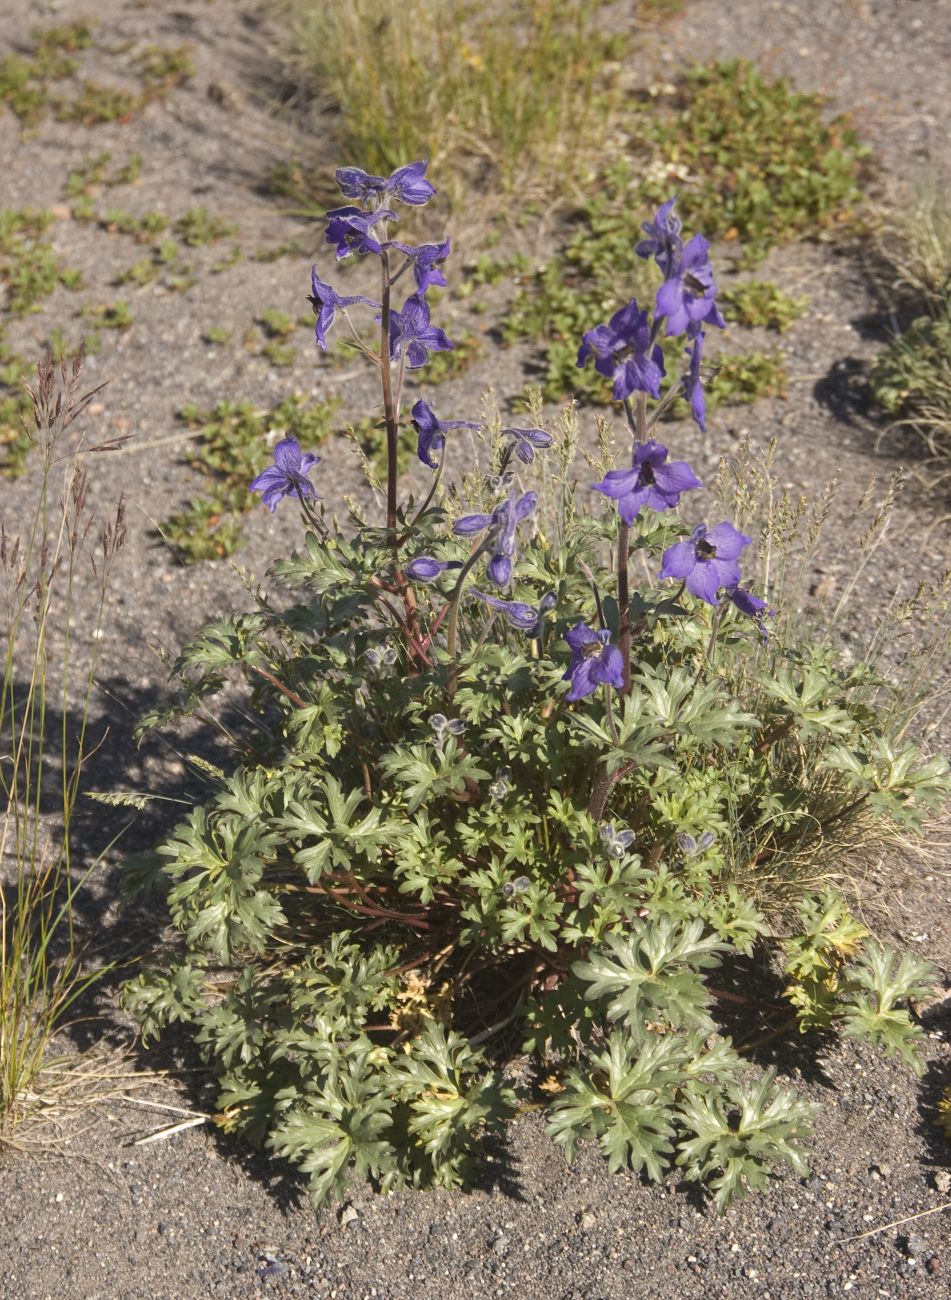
196,1216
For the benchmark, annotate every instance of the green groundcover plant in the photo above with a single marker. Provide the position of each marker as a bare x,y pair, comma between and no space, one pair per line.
522,767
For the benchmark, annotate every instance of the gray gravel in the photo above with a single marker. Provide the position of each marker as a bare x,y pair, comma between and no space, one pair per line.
197,1215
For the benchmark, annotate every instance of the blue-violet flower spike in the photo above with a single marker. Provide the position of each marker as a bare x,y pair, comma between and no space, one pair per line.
752,606
500,525
651,481
594,662
693,381
286,477
707,561
325,301
425,259
663,241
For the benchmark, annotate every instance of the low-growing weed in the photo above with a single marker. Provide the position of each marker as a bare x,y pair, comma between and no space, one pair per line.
911,378
24,81
93,175
95,104
15,409
112,315
161,68
197,226
764,163
28,265
232,443
762,304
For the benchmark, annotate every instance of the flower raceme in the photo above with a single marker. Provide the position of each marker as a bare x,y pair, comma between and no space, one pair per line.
519,614
425,261
651,481
526,441
688,295
349,228
427,569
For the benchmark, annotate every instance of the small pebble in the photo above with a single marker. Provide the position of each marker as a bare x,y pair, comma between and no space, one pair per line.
348,1217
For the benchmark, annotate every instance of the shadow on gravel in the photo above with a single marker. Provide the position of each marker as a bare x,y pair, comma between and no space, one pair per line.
844,390
762,1024
934,1083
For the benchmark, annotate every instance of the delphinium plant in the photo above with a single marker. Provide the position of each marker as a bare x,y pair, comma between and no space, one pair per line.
524,764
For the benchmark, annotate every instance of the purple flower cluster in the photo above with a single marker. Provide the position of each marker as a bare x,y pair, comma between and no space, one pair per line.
500,528
626,351
359,229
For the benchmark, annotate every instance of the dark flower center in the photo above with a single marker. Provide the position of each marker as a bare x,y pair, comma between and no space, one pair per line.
646,475
705,551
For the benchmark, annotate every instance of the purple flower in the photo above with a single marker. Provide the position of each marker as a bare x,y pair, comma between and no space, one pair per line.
688,295
707,561
432,431
751,606
520,615
285,478
663,242
689,846
622,351
594,661
650,482
412,334
349,229
425,569
526,441
425,259
693,381
501,525
325,301
406,185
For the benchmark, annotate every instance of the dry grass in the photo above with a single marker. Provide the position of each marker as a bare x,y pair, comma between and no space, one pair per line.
511,96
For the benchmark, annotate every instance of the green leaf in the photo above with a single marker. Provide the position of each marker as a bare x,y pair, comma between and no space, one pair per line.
740,1134
652,973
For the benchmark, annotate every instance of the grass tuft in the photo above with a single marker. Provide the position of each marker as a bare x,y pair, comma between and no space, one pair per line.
42,972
